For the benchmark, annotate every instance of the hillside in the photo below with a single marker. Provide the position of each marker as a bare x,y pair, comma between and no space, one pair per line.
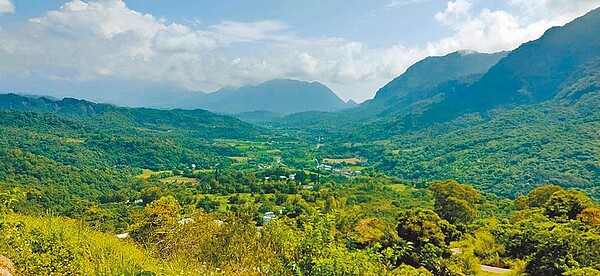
533,73
419,86
120,119
90,136
420,81
477,128
61,246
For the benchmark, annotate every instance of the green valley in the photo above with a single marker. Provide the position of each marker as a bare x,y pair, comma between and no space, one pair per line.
466,164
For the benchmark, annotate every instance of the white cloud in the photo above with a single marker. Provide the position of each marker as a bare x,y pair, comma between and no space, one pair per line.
6,6
96,39
504,29
455,11
539,9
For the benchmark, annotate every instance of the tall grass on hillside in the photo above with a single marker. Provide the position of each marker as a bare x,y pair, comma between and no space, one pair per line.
59,246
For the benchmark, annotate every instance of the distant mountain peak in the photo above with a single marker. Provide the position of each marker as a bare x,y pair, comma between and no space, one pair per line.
282,96
467,52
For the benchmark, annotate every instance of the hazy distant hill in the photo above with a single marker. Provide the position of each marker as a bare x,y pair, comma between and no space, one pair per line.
417,87
280,96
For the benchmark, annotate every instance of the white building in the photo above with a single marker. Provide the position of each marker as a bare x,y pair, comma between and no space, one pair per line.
268,217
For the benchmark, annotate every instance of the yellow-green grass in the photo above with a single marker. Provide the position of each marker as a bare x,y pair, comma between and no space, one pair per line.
382,142
411,150
180,180
397,187
70,246
148,173
240,159
60,246
353,160
356,168
224,200
483,273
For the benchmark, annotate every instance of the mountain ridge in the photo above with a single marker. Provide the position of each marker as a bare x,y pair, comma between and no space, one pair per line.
283,96
120,119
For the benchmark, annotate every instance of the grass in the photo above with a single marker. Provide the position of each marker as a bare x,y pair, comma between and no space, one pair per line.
356,168
224,200
59,246
239,159
148,173
69,246
397,187
353,160
180,180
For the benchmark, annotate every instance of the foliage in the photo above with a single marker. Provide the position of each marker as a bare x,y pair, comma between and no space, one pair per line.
49,245
566,204
454,202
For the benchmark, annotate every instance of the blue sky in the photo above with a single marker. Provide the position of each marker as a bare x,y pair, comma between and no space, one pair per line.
352,46
370,21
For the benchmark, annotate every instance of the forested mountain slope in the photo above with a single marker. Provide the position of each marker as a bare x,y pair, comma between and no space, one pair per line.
419,82
418,86
103,116
533,73
532,119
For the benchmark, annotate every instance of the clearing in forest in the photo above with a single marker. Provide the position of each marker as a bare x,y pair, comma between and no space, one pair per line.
353,160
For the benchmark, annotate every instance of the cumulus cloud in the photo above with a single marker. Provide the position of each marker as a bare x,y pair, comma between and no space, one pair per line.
455,11
82,41
6,6
87,40
504,29
544,9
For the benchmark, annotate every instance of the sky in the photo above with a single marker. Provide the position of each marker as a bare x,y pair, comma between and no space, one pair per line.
352,46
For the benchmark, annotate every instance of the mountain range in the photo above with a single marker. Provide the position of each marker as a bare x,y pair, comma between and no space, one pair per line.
278,96
441,89
281,96
502,121
506,121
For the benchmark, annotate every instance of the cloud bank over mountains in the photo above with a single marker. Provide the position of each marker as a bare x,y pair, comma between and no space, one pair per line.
87,40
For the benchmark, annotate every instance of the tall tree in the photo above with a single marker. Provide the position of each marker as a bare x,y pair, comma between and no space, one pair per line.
455,202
